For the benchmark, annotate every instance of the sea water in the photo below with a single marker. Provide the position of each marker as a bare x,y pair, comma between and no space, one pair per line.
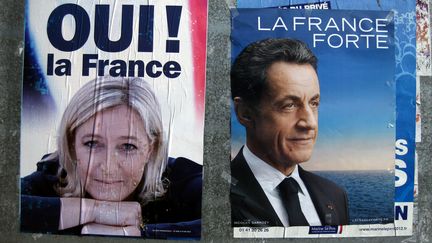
370,194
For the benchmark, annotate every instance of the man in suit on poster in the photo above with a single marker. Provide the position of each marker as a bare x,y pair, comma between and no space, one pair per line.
276,94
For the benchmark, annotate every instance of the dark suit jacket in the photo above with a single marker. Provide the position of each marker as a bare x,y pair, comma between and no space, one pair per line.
251,208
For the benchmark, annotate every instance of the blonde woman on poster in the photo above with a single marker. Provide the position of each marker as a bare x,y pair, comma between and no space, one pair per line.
111,174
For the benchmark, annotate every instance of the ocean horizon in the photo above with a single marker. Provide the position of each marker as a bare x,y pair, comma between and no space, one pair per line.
370,194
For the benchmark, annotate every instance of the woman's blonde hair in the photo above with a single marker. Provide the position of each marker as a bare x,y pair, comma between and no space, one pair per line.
100,94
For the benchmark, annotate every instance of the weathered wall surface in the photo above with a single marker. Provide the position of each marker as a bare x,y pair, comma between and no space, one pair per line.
216,217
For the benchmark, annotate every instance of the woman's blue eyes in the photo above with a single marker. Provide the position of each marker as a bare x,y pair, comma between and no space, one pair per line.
91,144
128,147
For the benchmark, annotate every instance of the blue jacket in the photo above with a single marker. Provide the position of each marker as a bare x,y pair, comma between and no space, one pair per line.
176,215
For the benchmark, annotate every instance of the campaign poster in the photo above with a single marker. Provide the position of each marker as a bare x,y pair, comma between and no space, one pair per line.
405,76
355,145
113,118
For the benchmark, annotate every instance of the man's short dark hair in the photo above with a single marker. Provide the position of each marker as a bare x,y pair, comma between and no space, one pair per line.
249,70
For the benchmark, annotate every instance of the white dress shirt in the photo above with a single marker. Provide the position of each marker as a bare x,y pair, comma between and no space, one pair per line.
269,178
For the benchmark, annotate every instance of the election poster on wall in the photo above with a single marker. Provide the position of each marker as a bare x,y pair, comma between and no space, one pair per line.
113,118
365,82
405,76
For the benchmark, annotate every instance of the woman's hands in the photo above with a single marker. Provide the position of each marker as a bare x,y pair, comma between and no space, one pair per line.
101,229
101,217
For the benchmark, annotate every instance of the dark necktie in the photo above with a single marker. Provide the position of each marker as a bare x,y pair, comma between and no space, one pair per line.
288,190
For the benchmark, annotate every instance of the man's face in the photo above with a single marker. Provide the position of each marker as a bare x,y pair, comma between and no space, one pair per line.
285,127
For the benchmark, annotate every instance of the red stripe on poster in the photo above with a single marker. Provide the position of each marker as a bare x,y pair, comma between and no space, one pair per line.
198,28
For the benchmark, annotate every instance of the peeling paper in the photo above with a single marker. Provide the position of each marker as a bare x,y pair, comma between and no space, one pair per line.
423,37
